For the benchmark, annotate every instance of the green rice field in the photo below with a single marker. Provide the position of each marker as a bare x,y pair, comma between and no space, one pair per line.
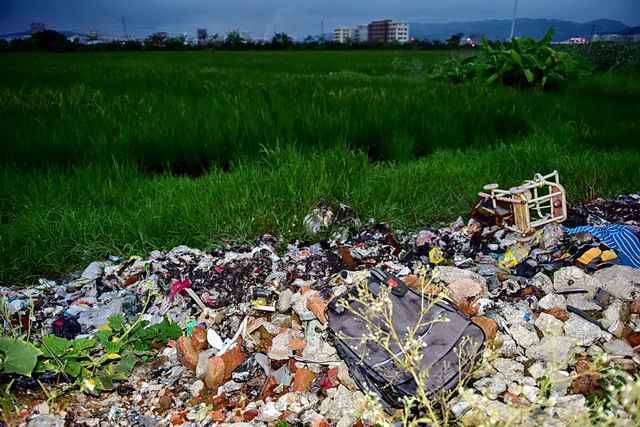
122,153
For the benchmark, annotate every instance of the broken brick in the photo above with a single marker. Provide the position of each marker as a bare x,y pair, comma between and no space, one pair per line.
199,338
267,390
558,313
179,418
297,344
302,380
250,415
218,415
187,355
232,359
215,373
317,305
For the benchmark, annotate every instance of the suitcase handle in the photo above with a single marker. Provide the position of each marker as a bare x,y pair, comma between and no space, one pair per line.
397,286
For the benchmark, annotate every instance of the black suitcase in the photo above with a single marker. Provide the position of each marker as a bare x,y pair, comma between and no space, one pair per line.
452,343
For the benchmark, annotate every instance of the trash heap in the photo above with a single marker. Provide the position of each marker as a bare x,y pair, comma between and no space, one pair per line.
255,350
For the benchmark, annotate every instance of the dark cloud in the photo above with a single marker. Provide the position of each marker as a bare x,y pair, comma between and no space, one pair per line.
298,17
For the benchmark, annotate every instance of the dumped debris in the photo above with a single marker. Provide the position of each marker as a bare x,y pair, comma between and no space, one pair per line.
256,340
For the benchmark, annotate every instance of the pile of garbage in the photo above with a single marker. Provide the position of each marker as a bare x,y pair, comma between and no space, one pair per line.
254,347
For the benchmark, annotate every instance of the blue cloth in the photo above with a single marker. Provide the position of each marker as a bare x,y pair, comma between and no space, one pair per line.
618,237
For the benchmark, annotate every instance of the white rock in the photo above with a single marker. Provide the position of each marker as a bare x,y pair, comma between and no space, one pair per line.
620,281
460,408
453,274
338,406
571,278
280,349
585,332
464,289
284,300
509,347
269,413
560,382
572,408
549,325
543,282
530,392
552,349
508,368
525,336
491,387
516,314
196,388
618,347
537,370
552,301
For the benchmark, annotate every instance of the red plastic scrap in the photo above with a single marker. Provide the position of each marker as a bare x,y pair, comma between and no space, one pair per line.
178,286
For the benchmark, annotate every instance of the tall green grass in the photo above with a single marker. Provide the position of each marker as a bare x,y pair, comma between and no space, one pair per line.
56,220
186,111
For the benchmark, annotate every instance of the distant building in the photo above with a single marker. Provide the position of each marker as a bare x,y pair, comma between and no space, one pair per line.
38,27
387,31
378,31
399,32
361,34
578,40
202,35
342,34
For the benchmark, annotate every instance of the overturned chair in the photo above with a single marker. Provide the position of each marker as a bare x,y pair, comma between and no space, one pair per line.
533,204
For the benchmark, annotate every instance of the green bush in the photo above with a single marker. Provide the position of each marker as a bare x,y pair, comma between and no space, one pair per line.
523,63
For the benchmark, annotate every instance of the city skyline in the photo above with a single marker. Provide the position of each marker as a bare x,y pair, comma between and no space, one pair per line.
301,18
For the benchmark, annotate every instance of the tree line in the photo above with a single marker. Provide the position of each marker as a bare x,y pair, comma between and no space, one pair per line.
53,41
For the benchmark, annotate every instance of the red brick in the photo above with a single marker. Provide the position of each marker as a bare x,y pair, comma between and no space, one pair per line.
302,380
232,359
558,313
296,344
187,355
215,374
318,305
217,416
250,415
199,338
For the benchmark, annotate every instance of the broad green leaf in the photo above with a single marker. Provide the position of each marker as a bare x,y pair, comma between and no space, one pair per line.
20,357
81,344
116,322
54,346
516,57
529,75
125,366
73,368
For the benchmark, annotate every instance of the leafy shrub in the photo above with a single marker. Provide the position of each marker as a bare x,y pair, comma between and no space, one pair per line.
524,63
609,56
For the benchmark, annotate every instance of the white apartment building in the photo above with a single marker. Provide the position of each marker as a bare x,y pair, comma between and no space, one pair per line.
399,32
342,34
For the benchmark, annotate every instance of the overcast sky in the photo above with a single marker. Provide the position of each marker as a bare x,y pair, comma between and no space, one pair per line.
296,17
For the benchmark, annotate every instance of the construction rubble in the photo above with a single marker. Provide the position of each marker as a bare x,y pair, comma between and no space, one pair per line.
255,348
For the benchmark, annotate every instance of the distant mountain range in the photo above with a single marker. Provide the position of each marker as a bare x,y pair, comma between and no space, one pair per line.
499,29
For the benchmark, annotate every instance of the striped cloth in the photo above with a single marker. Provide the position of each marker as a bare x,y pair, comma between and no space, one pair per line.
618,237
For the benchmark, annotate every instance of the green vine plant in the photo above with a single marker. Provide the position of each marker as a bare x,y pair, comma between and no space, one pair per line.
89,364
